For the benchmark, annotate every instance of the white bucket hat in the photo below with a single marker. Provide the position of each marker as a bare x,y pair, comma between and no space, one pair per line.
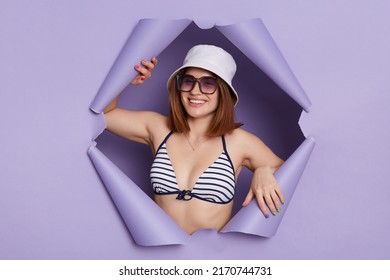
213,59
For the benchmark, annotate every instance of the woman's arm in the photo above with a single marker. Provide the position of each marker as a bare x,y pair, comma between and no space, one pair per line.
134,125
263,162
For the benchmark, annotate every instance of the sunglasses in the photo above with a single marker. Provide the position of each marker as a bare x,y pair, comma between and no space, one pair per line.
207,84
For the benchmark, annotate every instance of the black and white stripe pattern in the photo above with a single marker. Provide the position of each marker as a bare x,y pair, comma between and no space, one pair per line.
216,184
162,175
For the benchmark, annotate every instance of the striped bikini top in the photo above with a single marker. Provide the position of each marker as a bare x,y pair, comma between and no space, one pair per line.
216,184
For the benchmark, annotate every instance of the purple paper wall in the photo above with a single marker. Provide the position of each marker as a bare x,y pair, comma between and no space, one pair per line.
54,59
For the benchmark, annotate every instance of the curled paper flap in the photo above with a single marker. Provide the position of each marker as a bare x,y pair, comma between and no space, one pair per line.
250,219
98,125
254,40
205,23
148,224
155,35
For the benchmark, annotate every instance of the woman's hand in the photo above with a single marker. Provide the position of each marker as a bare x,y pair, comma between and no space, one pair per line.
267,191
144,70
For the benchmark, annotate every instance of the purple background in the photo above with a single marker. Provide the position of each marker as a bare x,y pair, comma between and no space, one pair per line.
54,58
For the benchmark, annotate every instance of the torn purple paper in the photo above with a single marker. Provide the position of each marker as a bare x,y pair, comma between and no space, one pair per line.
250,219
148,223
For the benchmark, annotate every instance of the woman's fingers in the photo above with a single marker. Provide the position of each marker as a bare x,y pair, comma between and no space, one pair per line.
248,198
270,203
270,199
149,64
262,206
145,71
280,195
275,203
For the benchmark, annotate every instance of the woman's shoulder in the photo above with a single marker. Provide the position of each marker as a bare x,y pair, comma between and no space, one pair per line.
244,140
251,150
241,135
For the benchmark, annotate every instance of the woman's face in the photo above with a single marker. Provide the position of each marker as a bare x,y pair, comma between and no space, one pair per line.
196,103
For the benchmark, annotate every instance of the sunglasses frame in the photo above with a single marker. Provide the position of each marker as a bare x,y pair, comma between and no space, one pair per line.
196,80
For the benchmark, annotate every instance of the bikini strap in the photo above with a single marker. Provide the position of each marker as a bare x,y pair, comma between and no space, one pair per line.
227,154
164,141
224,144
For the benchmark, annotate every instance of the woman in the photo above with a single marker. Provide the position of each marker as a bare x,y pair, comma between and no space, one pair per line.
199,149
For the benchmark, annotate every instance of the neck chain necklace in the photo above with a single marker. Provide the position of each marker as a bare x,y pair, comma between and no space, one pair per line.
192,147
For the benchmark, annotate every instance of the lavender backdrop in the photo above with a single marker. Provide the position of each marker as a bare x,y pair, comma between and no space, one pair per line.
54,57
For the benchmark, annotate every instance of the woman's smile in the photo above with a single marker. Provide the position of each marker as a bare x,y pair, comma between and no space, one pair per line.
194,101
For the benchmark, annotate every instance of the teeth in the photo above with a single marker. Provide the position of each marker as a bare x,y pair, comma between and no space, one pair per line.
195,101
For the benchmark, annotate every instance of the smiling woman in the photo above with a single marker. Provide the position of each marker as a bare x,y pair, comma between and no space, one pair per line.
185,96
199,148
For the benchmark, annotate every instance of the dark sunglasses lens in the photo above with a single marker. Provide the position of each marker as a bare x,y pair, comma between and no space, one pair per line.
186,83
208,85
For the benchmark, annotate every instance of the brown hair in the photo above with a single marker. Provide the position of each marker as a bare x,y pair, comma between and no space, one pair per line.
224,117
